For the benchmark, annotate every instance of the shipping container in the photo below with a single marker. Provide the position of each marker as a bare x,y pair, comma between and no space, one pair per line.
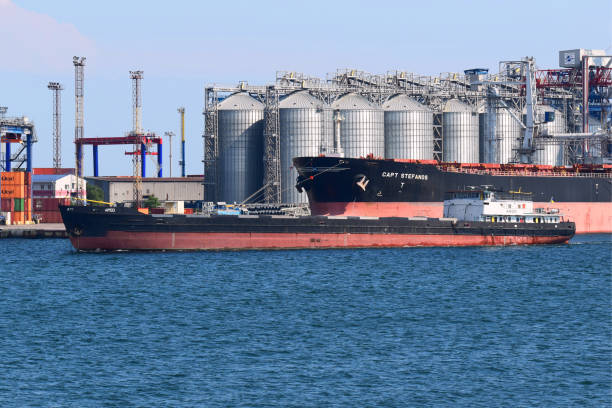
12,178
19,204
49,217
12,191
7,204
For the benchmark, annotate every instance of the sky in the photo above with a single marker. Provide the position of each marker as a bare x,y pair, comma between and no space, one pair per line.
183,46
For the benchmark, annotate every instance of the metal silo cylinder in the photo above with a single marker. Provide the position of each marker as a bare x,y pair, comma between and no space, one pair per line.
240,160
408,129
361,126
460,133
501,135
302,133
549,151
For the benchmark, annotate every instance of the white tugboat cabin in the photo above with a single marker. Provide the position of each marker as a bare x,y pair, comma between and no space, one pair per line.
495,206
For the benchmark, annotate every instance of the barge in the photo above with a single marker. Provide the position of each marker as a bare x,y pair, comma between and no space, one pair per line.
486,219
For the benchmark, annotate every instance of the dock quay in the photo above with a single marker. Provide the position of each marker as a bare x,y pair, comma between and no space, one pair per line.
33,231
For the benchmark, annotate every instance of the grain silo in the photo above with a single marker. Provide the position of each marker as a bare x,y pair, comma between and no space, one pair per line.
240,160
303,129
408,129
361,126
460,132
549,150
500,134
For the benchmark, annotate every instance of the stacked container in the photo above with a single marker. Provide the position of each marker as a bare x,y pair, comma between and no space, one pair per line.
14,195
48,208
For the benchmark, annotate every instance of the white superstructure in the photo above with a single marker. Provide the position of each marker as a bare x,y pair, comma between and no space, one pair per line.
493,206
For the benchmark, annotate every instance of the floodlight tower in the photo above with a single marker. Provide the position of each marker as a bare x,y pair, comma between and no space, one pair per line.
56,87
138,160
169,135
181,110
79,66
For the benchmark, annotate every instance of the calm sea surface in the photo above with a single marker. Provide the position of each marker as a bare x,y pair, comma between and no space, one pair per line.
473,327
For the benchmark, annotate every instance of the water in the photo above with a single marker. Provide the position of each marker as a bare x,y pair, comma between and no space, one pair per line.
516,326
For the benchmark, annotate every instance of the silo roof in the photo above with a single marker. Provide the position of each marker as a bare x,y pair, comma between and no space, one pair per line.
300,100
455,105
240,101
353,101
404,103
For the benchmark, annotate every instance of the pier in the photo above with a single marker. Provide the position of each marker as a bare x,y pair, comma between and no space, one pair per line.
33,231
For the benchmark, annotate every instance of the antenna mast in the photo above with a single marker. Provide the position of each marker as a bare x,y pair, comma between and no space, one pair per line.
181,110
56,87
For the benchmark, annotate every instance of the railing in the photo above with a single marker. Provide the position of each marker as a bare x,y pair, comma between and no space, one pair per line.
523,173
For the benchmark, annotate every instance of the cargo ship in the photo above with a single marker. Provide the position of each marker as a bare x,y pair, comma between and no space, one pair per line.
471,218
409,188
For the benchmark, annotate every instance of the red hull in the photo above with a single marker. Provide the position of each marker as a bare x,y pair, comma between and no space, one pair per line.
116,240
593,218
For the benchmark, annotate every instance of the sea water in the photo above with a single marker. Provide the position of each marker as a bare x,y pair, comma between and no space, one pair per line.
523,326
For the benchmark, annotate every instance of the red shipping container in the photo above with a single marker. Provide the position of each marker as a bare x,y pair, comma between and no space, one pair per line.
7,204
50,217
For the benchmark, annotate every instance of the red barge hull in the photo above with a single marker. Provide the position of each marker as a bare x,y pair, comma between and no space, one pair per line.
140,241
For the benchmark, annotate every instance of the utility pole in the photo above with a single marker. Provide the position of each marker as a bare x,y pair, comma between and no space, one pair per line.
169,135
56,87
181,110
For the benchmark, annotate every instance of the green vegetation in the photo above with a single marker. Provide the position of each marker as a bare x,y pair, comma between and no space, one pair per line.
152,202
94,193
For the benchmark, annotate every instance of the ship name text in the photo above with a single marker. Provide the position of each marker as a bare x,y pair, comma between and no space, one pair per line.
406,176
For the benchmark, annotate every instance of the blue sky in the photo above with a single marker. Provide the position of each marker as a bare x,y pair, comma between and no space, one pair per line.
184,45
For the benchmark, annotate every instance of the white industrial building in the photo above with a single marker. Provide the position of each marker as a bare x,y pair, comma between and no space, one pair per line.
56,186
120,189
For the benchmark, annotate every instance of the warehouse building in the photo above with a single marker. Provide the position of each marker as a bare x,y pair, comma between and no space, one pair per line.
120,189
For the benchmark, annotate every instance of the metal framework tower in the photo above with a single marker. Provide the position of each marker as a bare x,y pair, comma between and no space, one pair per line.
79,66
272,176
56,87
137,159
181,111
211,145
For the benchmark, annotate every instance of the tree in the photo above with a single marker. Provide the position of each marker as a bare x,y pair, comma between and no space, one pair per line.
152,202
94,193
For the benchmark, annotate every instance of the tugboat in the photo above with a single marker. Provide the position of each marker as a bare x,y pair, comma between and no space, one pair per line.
471,217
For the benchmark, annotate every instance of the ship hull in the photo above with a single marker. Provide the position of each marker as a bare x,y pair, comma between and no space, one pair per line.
93,229
353,187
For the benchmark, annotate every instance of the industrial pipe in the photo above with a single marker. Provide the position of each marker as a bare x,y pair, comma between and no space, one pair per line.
159,160
8,157
143,161
95,160
29,153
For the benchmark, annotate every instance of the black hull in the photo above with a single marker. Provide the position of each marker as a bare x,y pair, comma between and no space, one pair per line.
337,180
